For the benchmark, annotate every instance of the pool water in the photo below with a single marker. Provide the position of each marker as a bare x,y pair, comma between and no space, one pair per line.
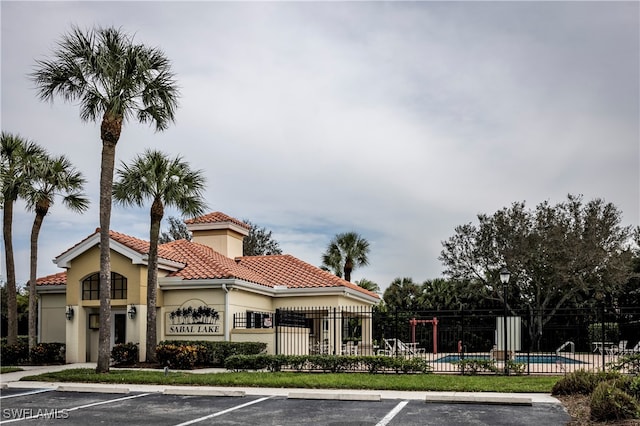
531,359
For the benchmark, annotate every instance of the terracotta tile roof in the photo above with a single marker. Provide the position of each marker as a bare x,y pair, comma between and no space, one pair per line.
216,217
203,262
295,273
56,279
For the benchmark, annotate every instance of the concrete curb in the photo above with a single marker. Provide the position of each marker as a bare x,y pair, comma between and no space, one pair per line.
479,399
334,396
203,392
92,389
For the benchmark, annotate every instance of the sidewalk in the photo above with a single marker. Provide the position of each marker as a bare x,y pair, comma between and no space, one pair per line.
12,381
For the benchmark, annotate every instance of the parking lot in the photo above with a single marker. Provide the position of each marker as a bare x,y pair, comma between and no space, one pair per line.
50,406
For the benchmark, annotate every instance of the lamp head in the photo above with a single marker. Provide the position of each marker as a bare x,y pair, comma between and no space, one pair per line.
504,275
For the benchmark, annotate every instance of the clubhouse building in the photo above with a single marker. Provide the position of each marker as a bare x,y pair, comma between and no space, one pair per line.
206,291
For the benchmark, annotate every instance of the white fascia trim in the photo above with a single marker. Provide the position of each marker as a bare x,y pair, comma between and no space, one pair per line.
63,260
169,265
218,225
176,283
136,257
50,289
327,291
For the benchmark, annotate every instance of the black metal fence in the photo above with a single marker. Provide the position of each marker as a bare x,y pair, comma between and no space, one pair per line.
542,342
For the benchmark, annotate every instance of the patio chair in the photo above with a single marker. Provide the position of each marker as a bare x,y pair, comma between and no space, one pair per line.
634,350
396,346
621,348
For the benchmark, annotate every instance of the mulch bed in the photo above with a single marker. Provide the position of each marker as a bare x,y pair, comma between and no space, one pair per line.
578,408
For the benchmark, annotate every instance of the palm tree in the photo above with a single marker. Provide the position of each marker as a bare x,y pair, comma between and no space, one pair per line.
51,177
345,253
368,285
114,80
164,181
16,157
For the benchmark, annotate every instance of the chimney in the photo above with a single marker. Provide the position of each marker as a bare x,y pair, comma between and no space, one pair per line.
222,233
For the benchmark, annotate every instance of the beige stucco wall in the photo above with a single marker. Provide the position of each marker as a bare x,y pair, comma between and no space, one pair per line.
173,299
264,335
224,241
89,263
52,319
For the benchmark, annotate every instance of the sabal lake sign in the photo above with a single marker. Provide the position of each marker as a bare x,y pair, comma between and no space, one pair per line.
194,318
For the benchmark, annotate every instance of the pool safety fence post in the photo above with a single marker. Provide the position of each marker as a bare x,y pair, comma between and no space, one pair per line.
603,334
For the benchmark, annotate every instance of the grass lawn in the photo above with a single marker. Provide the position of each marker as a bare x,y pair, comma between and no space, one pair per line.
403,382
4,370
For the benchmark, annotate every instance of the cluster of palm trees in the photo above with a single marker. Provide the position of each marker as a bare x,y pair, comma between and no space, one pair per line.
30,173
114,79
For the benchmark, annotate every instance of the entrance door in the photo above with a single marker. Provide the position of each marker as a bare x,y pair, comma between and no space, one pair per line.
119,331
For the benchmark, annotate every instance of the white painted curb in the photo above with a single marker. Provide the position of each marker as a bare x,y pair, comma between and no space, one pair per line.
202,392
93,389
335,396
478,399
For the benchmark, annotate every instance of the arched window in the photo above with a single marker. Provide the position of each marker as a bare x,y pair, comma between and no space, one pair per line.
91,287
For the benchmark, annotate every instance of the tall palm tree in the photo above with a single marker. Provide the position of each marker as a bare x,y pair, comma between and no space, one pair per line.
166,182
16,157
345,253
114,80
51,177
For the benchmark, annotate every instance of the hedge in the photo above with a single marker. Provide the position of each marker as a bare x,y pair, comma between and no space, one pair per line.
40,354
327,363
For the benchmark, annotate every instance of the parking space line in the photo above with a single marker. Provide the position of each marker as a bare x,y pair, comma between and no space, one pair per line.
93,404
386,419
28,393
219,413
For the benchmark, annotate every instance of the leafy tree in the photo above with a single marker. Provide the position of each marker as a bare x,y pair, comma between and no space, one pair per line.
558,255
368,285
259,242
114,80
166,182
345,253
402,295
51,177
177,231
17,155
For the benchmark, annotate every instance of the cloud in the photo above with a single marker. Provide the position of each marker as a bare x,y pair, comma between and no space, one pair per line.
398,120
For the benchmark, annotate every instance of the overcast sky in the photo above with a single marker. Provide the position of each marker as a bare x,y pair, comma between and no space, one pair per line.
396,120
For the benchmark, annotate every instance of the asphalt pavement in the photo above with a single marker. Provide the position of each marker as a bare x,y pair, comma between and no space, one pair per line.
246,405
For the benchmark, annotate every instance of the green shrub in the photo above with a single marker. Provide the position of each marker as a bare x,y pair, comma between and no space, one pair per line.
125,354
629,364
475,366
609,401
177,356
582,382
17,354
516,368
48,353
214,354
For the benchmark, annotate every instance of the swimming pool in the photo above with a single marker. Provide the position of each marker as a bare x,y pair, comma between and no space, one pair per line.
531,359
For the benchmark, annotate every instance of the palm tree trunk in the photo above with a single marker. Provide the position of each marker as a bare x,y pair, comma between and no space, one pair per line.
110,133
157,212
41,212
12,303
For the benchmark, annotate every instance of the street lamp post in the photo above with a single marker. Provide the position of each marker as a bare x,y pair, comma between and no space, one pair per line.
504,279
